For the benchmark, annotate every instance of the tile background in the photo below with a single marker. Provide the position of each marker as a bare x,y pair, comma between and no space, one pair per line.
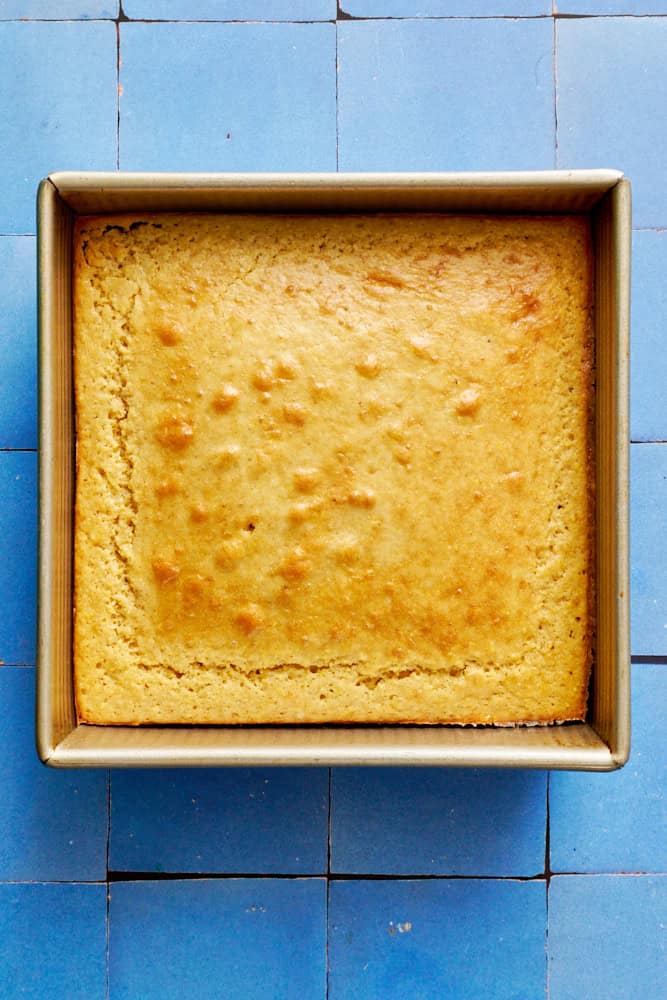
351,883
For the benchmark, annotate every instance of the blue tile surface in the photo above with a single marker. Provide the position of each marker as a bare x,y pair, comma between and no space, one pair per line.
18,390
607,937
402,104
18,556
648,371
53,941
421,84
58,108
228,97
612,91
430,940
239,939
53,10
232,10
610,6
53,824
617,822
429,821
648,547
243,820
445,8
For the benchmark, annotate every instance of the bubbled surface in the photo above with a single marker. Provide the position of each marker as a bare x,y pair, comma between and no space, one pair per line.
332,469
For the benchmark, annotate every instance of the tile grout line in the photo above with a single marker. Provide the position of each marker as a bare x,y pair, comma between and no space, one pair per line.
547,971
342,16
151,876
328,888
120,11
108,887
605,17
336,75
57,20
174,876
547,873
555,73
547,831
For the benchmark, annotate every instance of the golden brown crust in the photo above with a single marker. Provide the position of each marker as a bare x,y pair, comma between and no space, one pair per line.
333,469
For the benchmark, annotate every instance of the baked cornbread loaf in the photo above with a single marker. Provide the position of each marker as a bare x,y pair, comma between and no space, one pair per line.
333,469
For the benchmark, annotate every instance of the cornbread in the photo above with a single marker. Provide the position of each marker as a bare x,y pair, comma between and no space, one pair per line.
333,469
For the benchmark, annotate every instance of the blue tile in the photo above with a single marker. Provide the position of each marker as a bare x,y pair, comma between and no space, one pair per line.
58,94
648,369
229,820
243,820
612,92
53,10
18,389
53,941
228,97
445,95
231,10
445,8
607,937
616,822
18,556
648,548
425,821
241,939
435,939
53,824
610,7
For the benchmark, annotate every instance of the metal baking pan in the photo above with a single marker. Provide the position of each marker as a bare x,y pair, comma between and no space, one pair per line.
601,743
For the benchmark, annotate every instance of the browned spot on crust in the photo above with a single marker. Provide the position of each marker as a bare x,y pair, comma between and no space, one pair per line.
296,565
174,432
165,571
249,618
225,398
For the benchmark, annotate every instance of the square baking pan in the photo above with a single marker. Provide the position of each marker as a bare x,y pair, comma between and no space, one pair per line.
601,743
